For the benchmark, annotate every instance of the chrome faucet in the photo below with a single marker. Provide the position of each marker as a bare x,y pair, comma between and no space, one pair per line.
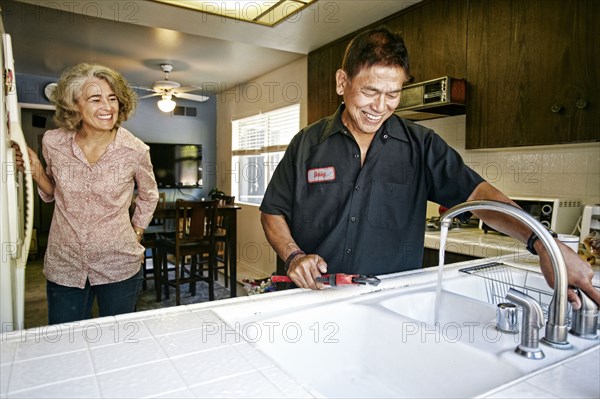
556,327
584,321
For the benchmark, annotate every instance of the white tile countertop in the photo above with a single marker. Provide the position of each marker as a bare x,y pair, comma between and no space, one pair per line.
183,351
474,242
196,351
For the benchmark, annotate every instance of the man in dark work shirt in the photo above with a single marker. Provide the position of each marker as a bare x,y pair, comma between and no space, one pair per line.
350,194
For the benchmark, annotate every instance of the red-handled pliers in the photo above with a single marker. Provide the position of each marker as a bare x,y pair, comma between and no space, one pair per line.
335,279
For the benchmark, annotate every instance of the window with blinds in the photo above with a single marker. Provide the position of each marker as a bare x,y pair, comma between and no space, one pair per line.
258,144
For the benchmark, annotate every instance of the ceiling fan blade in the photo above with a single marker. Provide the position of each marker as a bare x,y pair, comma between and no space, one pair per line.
150,95
185,89
193,97
143,88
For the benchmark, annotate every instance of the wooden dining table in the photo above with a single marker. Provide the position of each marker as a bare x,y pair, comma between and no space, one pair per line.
227,211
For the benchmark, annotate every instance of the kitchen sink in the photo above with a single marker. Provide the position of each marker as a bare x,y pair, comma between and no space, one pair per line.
358,350
388,343
453,308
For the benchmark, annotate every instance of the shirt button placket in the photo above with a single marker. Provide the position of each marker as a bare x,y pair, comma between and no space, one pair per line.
355,204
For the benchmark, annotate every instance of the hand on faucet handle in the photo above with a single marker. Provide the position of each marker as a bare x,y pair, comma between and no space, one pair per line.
579,274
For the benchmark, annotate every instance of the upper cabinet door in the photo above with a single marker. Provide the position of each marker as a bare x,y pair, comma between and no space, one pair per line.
322,65
436,38
533,72
435,33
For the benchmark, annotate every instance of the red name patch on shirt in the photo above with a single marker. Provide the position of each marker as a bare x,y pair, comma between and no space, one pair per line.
319,175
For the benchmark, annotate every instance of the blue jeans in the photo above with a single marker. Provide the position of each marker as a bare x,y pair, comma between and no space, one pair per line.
66,304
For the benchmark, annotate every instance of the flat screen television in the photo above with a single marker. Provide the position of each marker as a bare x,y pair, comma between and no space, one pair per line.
176,165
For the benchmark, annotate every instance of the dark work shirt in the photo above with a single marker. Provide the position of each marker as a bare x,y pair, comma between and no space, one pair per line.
369,219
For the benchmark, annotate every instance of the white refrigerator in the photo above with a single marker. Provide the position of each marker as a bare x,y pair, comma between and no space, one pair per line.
16,200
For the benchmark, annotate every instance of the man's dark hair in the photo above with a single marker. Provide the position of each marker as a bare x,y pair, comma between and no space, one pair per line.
378,46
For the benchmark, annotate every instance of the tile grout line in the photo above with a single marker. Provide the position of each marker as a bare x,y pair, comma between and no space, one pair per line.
91,360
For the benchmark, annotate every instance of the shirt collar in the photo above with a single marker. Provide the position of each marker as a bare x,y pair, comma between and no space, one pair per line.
118,142
334,124
119,138
394,126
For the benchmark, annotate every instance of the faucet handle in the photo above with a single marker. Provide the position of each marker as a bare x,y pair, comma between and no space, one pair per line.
584,321
506,318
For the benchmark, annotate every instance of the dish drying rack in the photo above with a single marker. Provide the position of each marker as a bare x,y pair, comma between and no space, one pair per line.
499,278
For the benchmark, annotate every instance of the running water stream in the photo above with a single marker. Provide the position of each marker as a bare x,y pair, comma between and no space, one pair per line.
438,290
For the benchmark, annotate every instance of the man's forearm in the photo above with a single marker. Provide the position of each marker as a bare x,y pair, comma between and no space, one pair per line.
499,221
279,235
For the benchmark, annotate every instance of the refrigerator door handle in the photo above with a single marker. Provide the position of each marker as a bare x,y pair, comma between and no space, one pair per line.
16,135
15,230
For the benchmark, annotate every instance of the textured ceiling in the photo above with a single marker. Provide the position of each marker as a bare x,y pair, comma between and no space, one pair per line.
135,37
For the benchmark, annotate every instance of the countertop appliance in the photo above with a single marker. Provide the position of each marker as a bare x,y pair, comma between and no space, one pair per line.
557,214
590,221
16,205
433,223
431,99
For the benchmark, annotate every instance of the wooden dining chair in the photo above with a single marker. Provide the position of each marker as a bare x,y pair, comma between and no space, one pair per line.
194,241
222,238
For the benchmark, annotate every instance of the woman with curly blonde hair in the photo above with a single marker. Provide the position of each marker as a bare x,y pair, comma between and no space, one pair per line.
93,165
72,80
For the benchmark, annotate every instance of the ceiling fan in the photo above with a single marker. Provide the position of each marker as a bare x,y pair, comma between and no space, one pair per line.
167,89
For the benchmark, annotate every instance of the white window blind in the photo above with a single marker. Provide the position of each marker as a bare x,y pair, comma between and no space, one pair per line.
258,144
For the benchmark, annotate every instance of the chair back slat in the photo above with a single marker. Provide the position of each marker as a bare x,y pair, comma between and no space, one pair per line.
222,221
197,224
195,220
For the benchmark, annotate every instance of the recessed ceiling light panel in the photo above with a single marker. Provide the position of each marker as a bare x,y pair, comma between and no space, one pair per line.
268,13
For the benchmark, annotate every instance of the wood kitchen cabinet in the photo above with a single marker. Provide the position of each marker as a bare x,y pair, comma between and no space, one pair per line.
532,72
435,33
322,64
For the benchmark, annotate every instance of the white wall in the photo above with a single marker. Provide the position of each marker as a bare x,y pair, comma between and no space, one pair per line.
562,171
282,87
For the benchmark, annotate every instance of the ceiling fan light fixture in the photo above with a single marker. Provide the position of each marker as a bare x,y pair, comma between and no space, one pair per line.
166,104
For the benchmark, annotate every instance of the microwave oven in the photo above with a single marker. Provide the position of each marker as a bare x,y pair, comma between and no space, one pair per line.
557,214
432,99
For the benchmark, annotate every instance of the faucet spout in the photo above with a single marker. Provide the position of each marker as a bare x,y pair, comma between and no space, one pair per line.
556,327
533,320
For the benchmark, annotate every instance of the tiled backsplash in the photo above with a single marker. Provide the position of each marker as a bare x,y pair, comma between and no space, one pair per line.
563,171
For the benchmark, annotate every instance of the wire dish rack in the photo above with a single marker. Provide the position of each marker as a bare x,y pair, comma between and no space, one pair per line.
499,278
